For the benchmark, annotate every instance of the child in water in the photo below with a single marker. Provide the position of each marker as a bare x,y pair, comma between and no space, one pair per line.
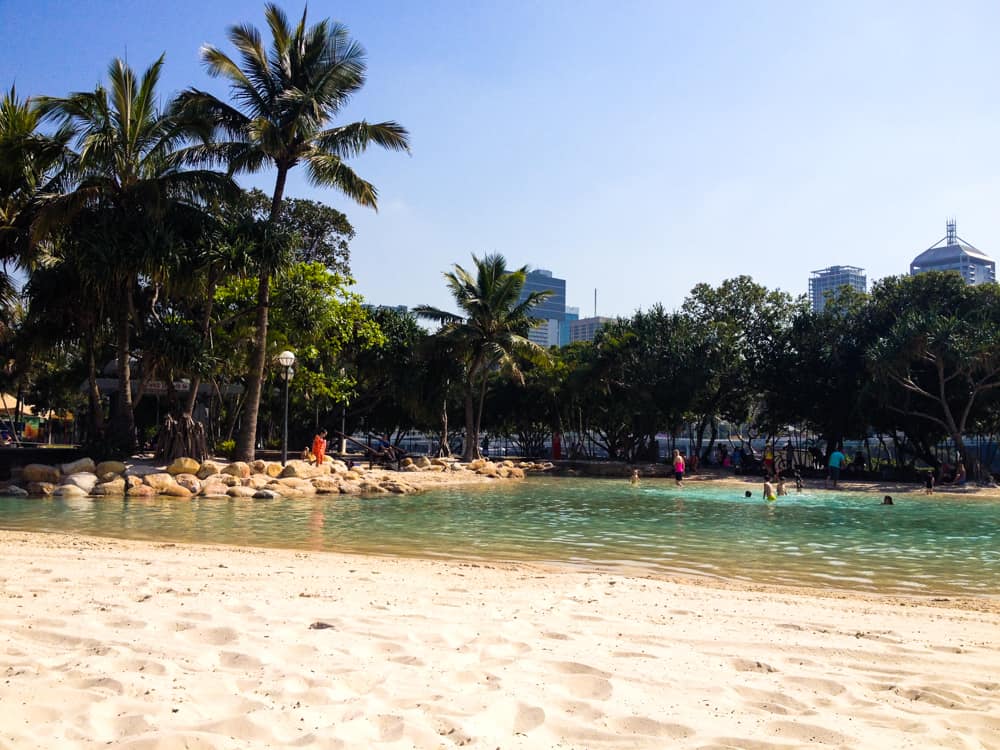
798,482
769,494
781,486
634,479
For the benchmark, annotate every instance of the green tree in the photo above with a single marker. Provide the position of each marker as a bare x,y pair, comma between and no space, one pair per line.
490,332
284,102
129,172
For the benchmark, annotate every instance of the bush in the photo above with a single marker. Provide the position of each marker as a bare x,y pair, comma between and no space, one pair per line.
225,448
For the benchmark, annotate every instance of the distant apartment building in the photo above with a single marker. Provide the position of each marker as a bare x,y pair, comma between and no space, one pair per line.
952,253
586,329
551,312
826,283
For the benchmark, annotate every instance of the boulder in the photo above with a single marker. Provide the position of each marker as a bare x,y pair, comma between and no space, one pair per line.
113,488
175,490
12,490
406,462
350,488
84,480
442,461
422,461
40,473
374,488
189,482
238,469
214,489
109,467
398,488
159,481
508,463
81,464
258,481
436,467
241,491
207,469
302,469
183,465
410,468
131,482
69,490
337,467
257,466
477,464
140,490
326,485
487,470
227,479
516,473
42,489
266,495
143,470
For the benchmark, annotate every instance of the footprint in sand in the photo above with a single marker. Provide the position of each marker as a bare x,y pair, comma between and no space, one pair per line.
749,665
214,636
808,734
527,718
390,727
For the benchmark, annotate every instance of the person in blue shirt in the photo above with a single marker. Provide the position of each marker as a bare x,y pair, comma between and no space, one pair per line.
834,465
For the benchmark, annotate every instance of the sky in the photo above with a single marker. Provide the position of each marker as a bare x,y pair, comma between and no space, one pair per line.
635,148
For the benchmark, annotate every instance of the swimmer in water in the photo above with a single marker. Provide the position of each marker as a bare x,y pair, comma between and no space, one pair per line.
798,482
887,500
634,479
781,486
769,494
748,493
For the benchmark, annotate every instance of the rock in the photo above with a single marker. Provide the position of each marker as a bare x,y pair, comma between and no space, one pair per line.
80,465
207,469
238,469
487,470
266,495
227,479
503,472
114,488
42,489
411,468
374,488
183,465
69,490
516,473
40,473
337,467
422,461
508,463
477,464
436,467
140,490
406,462
131,482
303,470
441,461
397,487
109,467
84,480
326,485
142,470
12,490
159,481
190,482
241,491
257,466
214,489
175,490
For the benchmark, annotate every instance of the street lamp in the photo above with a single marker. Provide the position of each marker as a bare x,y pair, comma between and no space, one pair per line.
286,359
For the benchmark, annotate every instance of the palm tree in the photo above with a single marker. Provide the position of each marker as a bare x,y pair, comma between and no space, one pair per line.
129,174
29,162
284,101
491,330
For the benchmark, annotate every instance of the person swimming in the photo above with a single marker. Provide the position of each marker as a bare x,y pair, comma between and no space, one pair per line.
769,493
887,500
748,493
634,479
781,487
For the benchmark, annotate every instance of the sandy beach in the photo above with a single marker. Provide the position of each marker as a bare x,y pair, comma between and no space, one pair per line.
144,645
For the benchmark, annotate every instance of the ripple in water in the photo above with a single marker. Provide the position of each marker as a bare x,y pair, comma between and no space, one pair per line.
840,540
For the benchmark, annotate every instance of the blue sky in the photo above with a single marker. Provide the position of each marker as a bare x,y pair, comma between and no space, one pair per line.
637,147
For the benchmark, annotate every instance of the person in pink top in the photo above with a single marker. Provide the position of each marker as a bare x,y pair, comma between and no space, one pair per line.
678,468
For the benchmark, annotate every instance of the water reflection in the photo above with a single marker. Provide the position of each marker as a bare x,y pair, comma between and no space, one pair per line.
839,540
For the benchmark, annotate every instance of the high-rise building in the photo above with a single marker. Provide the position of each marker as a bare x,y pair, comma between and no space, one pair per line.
551,312
952,253
827,283
586,329
572,313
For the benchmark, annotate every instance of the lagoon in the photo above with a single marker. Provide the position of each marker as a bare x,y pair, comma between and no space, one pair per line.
922,545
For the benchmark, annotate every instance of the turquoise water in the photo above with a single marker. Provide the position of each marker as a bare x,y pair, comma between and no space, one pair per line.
936,545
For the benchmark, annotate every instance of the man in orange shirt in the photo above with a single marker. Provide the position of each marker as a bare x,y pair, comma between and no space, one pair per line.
319,447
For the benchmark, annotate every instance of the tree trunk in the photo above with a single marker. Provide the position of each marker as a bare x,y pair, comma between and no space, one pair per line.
470,451
245,442
96,427
123,430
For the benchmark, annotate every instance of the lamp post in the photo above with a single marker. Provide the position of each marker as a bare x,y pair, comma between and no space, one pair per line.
286,359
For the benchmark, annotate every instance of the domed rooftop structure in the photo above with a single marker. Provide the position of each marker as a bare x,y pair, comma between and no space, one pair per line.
952,253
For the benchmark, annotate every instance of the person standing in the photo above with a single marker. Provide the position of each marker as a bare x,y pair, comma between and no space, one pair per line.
319,447
834,465
678,468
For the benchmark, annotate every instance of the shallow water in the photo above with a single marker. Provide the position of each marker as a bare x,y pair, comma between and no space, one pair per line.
934,545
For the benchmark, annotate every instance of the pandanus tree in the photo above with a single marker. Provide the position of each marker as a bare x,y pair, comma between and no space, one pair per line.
130,175
489,333
284,103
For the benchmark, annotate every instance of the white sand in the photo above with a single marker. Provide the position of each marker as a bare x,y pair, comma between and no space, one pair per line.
136,645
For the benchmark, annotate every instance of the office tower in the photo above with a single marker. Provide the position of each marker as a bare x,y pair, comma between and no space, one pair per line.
827,283
952,253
